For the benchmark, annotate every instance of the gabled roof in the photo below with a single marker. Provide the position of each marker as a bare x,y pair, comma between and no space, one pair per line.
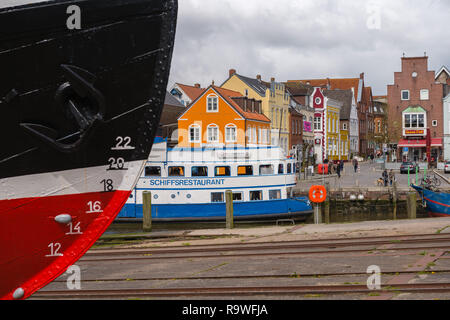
342,84
227,95
171,111
344,96
258,86
299,89
191,91
442,69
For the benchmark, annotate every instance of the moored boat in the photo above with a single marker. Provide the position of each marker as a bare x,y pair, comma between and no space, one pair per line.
189,184
437,203
81,92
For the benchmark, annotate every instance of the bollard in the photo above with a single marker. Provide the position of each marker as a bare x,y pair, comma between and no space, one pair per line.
394,199
411,204
229,208
147,211
327,203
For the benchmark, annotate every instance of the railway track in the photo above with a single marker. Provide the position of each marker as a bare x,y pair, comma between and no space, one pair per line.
184,272
241,291
305,247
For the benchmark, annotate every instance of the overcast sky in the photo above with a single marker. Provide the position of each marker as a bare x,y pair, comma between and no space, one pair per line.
307,39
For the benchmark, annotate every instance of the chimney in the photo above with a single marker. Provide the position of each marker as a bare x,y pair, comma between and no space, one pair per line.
272,79
258,77
231,72
361,76
197,85
212,83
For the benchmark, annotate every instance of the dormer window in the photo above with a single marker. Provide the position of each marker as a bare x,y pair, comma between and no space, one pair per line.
212,104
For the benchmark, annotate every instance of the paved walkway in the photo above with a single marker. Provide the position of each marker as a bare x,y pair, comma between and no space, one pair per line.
366,177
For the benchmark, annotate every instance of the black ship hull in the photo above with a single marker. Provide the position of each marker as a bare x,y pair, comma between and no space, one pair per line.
82,88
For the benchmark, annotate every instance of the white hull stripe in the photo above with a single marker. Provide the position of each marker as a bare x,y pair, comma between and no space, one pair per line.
75,181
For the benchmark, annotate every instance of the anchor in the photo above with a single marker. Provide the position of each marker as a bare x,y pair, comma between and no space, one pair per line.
72,96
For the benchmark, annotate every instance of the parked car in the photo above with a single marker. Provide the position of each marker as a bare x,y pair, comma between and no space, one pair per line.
411,165
447,167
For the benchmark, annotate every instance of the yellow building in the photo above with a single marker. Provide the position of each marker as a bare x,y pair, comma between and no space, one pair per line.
333,131
275,103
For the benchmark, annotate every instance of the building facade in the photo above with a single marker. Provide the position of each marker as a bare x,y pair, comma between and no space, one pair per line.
358,117
185,94
275,103
415,111
326,127
221,117
295,130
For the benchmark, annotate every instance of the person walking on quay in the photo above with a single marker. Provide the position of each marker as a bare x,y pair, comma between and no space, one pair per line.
355,164
385,177
391,177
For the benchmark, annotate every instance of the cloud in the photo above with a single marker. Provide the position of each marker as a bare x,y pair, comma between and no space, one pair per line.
306,39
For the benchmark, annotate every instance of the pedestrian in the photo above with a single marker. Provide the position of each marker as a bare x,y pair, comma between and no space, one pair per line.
338,169
355,164
385,177
342,165
391,177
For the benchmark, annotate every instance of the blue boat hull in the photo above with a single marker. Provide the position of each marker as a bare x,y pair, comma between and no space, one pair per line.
437,203
298,208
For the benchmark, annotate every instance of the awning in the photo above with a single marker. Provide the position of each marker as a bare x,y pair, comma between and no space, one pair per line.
436,142
419,143
412,143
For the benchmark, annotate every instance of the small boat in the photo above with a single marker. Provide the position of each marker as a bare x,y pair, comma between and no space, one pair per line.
189,184
82,87
437,203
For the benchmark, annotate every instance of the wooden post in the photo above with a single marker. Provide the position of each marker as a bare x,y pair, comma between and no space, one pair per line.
229,207
317,213
327,203
147,211
411,205
394,199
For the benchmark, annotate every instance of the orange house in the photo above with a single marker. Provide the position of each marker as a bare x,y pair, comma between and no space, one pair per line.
221,117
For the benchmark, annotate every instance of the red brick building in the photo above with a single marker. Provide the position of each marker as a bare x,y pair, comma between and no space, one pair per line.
295,128
415,111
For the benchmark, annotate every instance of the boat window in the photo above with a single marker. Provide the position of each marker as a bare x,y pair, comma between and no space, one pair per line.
152,171
289,168
265,169
237,196
255,195
222,171
217,197
199,171
176,171
274,194
280,168
245,170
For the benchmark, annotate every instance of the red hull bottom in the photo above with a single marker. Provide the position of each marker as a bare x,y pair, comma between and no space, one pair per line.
35,248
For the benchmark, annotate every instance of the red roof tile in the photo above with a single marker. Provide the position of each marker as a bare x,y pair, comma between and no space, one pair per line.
192,91
228,94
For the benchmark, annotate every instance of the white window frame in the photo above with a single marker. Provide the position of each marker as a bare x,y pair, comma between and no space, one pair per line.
401,95
214,106
230,133
209,134
197,133
422,94
317,125
434,123
344,126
